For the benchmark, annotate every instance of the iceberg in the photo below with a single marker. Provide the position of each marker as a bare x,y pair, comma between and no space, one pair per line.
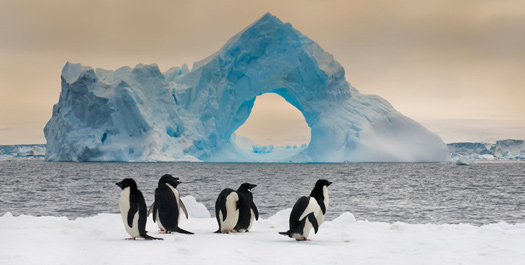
509,149
22,150
142,114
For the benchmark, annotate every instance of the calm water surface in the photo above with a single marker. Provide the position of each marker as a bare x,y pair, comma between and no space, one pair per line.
387,192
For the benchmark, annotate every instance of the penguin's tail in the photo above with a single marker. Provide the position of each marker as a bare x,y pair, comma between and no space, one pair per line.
180,230
148,237
287,233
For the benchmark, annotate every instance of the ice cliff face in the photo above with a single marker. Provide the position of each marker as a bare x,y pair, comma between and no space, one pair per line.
141,114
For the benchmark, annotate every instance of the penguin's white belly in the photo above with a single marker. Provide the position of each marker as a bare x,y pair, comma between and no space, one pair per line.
232,215
320,218
124,206
326,201
177,199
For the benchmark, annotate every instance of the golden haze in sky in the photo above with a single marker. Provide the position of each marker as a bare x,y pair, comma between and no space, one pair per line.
457,66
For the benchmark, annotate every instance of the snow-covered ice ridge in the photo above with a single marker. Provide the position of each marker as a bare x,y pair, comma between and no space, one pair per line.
142,114
100,240
501,150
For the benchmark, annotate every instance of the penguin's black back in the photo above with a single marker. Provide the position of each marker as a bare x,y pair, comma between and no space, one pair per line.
167,208
298,210
220,205
317,193
245,203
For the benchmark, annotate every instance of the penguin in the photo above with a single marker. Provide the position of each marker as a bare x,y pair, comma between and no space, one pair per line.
133,210
308,212
166,206
320,193
227,210
247,209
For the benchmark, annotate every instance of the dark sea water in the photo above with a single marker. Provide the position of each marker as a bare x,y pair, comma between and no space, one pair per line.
388,192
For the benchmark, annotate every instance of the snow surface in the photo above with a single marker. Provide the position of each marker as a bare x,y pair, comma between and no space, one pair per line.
141,114
100,240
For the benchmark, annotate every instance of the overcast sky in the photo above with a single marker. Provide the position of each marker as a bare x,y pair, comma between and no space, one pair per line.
456,66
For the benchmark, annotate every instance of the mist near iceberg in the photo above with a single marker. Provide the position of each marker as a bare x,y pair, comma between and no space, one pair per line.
142,114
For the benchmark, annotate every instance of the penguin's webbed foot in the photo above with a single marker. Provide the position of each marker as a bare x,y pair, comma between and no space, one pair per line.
131,238
162,231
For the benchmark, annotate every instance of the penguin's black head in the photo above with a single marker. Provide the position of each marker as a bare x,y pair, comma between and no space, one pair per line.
127,182
246,187
169,179
322,182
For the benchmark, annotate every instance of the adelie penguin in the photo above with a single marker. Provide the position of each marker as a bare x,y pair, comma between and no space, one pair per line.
247,209
227,210
309,212
133,210
167,205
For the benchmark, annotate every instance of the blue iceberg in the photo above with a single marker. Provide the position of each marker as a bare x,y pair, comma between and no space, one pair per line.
142,114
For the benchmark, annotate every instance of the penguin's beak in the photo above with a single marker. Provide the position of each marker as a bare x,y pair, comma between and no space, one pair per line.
179,182
329,183
253,186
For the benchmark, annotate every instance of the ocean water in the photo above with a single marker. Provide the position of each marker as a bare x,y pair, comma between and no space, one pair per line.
387,192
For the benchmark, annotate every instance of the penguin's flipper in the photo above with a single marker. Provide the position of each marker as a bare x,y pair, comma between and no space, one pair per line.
254,208
183,207
217,211
151,210
134,202
313,220
223,211
155,207
180,230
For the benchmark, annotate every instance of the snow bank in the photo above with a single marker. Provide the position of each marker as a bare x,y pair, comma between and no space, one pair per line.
100,240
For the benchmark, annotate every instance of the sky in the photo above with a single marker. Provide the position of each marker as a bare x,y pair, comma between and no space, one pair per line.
456,66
